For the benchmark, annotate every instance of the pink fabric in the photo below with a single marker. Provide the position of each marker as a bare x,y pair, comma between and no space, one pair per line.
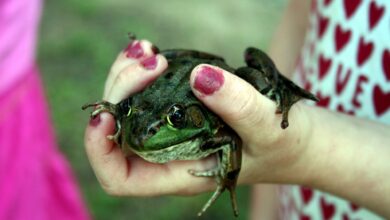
18,26
35,180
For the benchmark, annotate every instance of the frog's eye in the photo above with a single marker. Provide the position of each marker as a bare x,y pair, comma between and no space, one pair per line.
176,116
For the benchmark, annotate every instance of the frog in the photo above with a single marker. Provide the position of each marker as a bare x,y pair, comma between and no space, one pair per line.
166,122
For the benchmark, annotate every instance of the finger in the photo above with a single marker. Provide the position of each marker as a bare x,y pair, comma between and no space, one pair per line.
135,77
136,51
135,176
150,179
107,160
238,103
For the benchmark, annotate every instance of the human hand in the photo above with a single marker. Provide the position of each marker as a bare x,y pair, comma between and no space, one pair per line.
267,156
136,67
270,154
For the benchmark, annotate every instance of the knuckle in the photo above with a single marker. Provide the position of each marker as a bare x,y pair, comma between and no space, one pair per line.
109,188
247,109
126,73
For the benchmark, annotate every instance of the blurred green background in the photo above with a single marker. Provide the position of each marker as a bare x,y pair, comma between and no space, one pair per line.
80,39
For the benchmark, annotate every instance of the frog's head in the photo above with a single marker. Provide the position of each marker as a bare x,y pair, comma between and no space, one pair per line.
149,128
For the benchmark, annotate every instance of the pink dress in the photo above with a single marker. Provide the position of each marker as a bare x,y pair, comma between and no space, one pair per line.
35,180
346,62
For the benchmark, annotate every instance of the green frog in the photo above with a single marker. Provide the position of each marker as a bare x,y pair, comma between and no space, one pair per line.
166,122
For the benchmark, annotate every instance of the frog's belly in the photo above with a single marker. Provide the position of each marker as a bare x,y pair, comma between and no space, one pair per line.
189,150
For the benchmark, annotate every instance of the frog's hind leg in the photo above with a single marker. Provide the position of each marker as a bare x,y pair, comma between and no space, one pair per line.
283,91
227,171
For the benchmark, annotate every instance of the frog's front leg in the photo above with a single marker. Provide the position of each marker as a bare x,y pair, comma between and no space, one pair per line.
227,170
105,106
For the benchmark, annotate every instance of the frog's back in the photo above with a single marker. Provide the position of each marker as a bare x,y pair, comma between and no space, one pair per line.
173,85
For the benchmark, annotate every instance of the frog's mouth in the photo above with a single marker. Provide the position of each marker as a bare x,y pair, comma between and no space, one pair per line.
188,150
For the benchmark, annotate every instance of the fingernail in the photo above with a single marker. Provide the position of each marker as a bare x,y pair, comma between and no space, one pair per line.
95,121
208,80
150,63
134,50
155,49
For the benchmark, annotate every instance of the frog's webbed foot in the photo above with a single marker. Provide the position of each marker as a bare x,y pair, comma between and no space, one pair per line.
228,169
105,106
270,82
220,189
213,198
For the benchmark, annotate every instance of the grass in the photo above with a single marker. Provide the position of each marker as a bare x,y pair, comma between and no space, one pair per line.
80,39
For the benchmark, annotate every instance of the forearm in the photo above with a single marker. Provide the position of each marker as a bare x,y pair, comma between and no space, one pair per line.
349,157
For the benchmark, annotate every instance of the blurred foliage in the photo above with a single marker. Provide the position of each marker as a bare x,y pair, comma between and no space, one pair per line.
80,39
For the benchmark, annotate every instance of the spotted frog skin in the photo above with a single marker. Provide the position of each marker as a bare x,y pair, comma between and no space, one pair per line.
166,122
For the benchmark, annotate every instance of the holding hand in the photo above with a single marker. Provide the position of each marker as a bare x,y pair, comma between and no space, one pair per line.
295,155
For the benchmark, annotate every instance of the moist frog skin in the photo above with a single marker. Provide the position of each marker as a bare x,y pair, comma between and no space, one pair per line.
166,122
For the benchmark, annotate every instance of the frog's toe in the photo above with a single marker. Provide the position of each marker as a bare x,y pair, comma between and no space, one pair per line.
100,107
284,124
205,173
215,196
233,199
115,137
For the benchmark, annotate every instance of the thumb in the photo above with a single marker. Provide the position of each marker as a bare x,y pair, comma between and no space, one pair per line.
238,103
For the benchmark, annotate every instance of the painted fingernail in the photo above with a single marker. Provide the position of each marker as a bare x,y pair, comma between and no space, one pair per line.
95,121
150,63
208,80
134,50
155,49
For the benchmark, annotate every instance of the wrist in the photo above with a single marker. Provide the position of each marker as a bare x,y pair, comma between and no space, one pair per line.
298,140
282,155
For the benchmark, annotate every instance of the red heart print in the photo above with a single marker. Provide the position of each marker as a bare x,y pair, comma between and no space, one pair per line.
327,2
324,100
364,51
341,37
307,85
322,25
350,7
345,216
354,207
381,100
328,209
375,14
323,66
304,217
341,109
307,194
386,63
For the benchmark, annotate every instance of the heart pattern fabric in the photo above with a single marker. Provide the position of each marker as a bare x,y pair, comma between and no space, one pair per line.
345,61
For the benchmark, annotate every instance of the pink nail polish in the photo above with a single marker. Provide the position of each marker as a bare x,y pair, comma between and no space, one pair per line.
150,63
208,80
134,50
155,49
95,121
